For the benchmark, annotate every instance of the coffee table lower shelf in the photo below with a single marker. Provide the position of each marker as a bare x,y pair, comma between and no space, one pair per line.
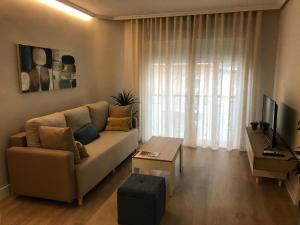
160,164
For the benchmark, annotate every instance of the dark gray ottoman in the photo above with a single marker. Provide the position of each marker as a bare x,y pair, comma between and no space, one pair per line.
141,200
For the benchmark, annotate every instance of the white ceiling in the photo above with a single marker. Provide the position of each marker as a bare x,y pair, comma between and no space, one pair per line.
118,9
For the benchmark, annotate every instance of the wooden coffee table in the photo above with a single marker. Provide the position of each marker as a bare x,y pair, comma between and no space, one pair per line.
169,149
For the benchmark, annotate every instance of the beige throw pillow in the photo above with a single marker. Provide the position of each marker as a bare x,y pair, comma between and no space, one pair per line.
59,138
32,127
118,111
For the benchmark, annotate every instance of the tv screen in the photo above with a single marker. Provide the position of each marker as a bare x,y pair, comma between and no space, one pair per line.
269,116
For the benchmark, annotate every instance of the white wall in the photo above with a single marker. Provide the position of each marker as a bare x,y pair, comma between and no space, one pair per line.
97,46
267,58
287,84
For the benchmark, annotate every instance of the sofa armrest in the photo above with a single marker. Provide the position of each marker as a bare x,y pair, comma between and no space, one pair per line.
18,140
41,172
135,122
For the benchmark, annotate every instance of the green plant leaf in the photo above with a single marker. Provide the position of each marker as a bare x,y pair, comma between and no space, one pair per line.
124,98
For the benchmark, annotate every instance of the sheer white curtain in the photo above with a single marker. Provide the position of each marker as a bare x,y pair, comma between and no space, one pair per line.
194,76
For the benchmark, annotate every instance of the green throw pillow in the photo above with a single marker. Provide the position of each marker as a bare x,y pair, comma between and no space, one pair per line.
86,134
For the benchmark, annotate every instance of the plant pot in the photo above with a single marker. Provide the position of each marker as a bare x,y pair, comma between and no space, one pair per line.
265,127
254,125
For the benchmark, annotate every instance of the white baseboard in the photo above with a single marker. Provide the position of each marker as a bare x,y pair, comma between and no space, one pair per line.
4,192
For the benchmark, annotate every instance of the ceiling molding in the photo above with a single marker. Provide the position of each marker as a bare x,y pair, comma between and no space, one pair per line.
92,14
276,6
201,12
282,3
103,17
78,7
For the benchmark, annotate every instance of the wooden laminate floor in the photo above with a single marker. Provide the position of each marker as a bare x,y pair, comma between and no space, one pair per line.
216,188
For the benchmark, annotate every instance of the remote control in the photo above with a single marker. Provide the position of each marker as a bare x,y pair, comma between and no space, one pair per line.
272,153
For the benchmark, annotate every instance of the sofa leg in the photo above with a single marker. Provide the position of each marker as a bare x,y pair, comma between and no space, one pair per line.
80,201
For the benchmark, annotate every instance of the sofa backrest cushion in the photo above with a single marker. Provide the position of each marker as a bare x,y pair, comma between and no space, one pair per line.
99,114
32,127
77,118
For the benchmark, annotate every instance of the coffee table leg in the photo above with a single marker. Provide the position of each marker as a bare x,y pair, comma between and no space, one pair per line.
171,179
181,159
135,170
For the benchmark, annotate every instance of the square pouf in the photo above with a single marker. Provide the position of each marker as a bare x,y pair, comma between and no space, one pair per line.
141,200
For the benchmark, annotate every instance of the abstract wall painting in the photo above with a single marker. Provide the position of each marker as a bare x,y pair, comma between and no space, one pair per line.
45,69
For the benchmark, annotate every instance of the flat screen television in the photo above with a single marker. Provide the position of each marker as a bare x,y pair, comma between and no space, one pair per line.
269,116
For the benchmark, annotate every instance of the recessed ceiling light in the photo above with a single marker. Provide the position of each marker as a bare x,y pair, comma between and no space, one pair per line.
67,9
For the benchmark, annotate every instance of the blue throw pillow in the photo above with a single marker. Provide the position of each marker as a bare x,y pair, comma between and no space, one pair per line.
86,134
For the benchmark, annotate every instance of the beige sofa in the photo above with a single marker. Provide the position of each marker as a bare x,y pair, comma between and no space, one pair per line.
52,174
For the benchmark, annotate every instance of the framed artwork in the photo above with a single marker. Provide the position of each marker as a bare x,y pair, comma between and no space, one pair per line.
45,69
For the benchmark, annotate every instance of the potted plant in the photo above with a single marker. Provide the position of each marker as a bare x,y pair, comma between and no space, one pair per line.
124,98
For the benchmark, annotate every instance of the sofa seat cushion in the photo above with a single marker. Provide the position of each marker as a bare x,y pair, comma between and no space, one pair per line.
106,153
77,117
99,114
32,127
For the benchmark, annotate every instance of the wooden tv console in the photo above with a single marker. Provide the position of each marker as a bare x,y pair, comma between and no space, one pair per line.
267,166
